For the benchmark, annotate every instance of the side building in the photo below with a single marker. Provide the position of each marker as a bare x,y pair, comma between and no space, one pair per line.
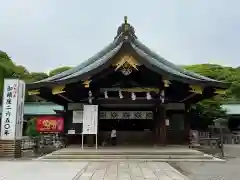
38,109
233,113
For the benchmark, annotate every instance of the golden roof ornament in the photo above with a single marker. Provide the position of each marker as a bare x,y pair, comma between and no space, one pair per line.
220,91
196,89
126,64
87,83
34,92
125,29
58,89
166,83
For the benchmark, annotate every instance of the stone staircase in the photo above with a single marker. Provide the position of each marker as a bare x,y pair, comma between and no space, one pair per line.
145,154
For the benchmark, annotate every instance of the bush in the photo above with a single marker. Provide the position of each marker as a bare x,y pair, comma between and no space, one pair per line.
31,128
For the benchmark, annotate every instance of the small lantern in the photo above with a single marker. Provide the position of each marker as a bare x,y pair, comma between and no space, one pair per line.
148,96
120,95
133,96
90,93
167,123
106,94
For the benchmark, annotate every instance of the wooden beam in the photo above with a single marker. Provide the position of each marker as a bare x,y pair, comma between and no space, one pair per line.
46,93
128,101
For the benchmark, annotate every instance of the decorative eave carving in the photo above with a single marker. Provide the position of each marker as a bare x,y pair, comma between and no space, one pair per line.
58,89
166,83
33,92
86,83
196,89
220,91
126,64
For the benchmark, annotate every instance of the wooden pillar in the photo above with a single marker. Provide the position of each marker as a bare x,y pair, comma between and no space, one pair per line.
65,115
160,125
187,125
156,130
163,129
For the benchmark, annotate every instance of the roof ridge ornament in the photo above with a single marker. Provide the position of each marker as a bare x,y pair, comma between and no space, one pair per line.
126,25
125,30
125,19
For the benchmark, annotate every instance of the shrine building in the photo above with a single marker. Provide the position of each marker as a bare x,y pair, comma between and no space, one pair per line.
138,92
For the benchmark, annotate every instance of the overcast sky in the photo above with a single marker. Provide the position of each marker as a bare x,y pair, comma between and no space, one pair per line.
46,34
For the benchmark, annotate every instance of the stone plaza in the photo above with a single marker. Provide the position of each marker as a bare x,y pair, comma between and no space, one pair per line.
115,170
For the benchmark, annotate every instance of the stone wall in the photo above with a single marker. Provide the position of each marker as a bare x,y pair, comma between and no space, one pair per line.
10,148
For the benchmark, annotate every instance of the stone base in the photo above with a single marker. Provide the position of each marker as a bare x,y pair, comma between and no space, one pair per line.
10,148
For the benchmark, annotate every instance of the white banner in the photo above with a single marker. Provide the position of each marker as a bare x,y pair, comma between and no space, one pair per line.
77,117
90,119
13,105
20,109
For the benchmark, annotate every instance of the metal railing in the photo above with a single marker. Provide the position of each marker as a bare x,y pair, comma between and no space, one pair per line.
43,144
28,144
231,138
227,137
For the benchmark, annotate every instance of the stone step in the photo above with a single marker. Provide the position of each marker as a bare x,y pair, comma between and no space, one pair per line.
84,156
133,160
127,153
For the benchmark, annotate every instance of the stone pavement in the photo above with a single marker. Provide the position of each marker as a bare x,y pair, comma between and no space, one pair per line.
214,171
116,170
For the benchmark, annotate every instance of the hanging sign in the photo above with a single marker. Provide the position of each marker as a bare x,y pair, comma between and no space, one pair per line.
167,122
90,119
50,124
12,112
77,117
71,131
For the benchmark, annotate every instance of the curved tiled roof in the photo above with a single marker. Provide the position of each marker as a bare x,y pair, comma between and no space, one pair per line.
150,59
84,64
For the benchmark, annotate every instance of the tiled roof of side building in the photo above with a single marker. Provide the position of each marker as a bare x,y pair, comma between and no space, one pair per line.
232,109
39,108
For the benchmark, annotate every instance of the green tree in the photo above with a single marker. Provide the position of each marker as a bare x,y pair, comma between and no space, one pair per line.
59,70
37,76
210,109
7,69
227,74
31,128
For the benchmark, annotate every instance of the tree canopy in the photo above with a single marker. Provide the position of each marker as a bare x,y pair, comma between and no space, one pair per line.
59,70
8,69
31,128
218,72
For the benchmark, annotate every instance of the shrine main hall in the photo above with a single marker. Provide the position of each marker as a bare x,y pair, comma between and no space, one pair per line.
139,93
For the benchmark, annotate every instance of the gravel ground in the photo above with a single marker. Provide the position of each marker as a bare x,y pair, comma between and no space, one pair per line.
228,170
